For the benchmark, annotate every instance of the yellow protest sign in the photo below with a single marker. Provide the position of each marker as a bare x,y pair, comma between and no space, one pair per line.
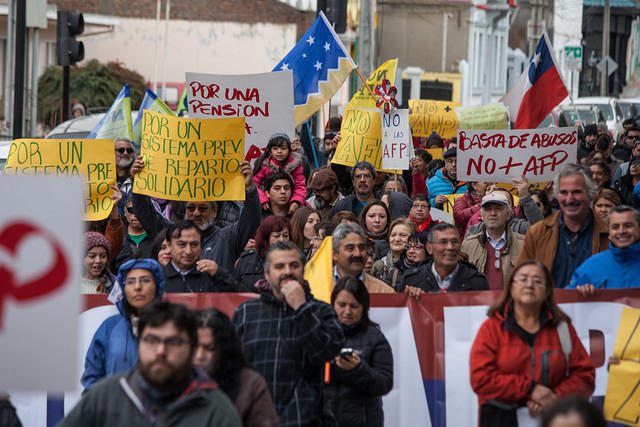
191,159
623,390
492,116
93,160
360,138
362,98
436,153
427,116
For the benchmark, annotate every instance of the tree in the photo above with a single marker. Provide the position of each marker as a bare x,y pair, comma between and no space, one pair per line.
96,85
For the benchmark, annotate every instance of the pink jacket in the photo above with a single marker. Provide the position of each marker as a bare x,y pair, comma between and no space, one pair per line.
293,167
463,208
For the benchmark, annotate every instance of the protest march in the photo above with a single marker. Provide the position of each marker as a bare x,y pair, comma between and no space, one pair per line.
438,265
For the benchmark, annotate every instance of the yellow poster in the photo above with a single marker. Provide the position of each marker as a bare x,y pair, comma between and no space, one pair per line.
427,116
492,116
360,138
622,400
319,272
93,160
436,153
191,159
362,98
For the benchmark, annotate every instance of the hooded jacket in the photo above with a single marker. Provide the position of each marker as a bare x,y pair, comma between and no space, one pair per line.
288,348
114,347
442,184
612,269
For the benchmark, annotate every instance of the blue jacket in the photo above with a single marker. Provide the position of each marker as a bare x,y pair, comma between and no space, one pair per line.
114,347
612,269
441,184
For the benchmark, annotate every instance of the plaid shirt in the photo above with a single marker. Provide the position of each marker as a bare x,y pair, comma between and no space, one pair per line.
289,349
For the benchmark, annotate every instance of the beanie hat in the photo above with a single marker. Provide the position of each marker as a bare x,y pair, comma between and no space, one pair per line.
93,239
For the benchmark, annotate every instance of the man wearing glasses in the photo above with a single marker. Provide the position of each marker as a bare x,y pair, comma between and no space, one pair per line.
137,242
622,151
495,247
446,271
632,139
325,192
163,388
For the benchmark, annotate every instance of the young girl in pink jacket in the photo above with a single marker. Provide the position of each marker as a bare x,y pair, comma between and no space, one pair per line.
278,157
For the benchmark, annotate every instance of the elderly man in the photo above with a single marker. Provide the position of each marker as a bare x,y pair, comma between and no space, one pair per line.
565,239
349,256
446,272
325,192
163,388
495,248
125,155
288,336
618,267
222,245
445,180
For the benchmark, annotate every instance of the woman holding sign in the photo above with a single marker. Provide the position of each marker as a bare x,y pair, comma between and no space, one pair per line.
527,353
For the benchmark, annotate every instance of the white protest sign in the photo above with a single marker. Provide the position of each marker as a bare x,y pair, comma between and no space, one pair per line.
396,140
499,155
39,281
265,100
440,215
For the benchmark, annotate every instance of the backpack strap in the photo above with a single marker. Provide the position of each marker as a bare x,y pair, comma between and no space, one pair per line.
565,342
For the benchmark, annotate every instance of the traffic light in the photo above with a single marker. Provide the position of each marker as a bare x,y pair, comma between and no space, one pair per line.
336,12
68,49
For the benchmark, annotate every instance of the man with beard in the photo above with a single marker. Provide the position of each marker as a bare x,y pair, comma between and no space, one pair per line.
618,267
325,192
125,155
349,256
163,388
222,245
564,240
363,176
288,336
187,272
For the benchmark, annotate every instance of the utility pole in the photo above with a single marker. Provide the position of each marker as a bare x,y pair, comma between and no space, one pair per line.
18,99
365,38
606,21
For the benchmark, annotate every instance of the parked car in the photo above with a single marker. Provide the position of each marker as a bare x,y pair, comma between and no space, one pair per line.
610,109
79,127
569,114
630,107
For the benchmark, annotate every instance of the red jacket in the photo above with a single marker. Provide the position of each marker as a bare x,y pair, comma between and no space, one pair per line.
504,367
463,208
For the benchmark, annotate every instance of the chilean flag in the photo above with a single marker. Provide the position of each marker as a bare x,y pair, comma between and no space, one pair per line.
538,90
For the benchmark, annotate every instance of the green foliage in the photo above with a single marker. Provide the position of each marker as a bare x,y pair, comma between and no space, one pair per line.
95,85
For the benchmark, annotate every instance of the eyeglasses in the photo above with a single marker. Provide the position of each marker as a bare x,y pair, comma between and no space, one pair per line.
522,279
172,343
633,137
123,150
420,206
144,280
202,208
130,209
415,247
445,242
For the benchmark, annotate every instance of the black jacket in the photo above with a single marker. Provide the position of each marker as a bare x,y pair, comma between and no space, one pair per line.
131,250
355,396
248,270
468,278
197,281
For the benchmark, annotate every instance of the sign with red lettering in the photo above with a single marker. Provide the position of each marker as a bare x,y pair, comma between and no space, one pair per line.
264,100
499,155
39,274
397,145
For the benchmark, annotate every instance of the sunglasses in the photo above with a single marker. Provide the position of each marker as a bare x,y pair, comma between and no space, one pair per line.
130,209
122,150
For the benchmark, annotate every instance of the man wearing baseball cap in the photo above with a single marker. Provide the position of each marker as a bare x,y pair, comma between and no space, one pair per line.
445,180
495,248
325,192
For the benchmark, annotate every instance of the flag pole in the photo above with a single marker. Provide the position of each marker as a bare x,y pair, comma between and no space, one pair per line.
365,83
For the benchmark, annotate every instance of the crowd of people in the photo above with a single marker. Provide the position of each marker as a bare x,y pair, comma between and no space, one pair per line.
287,359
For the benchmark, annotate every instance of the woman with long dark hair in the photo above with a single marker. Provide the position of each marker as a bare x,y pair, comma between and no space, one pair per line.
219,352
363,372
527,353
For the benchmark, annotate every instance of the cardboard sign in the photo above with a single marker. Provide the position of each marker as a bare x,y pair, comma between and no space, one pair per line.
492,116
500,155
40,253
623,389
360,138
396,140
264,100
428,116
91,159
191,159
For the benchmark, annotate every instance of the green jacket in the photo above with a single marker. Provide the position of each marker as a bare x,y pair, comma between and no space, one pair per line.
118,401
